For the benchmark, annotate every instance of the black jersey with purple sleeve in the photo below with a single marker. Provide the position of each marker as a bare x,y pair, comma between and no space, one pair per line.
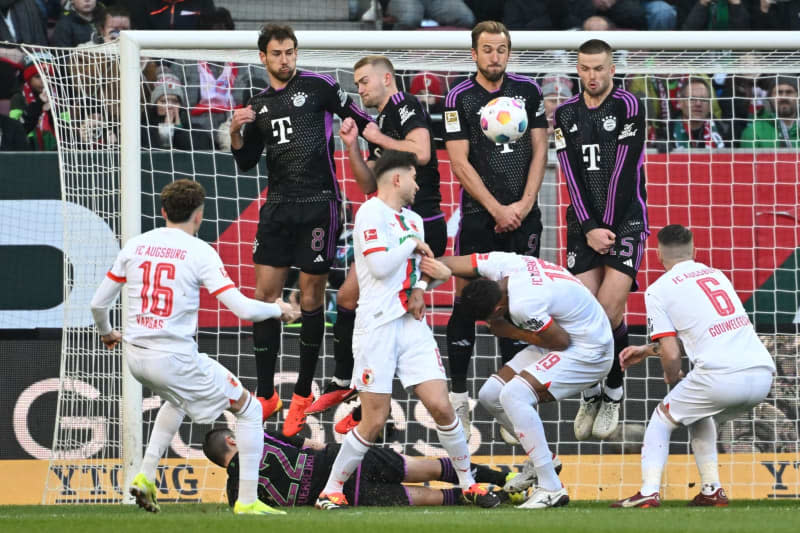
503,168
289,474
295,125
601,153
402,114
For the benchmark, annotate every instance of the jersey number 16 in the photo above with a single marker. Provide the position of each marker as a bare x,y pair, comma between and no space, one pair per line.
159,301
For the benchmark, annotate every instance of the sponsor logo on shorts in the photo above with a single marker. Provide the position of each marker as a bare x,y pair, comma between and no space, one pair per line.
628,263
319,259
366,376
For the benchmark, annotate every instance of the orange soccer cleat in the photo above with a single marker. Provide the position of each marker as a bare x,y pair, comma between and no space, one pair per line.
296,418
270,406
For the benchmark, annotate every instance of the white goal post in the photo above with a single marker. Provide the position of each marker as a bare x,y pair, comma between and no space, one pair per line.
638,54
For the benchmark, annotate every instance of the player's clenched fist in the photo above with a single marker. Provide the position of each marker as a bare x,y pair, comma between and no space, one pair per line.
242,116
435,269
422,248
348,132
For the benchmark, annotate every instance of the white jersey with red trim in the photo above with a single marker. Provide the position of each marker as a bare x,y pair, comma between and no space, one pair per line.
540,292
379,228
163,270
699,305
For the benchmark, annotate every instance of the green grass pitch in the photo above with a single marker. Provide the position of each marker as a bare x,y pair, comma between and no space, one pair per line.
765,516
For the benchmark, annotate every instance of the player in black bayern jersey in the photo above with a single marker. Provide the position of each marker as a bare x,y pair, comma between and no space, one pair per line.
294,471
300,222
599,138
500,184
402,124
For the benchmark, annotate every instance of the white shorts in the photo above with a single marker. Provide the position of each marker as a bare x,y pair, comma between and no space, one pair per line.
197,384
404,347
702,394
568,372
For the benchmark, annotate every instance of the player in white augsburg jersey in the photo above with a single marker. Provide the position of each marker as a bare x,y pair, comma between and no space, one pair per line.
531,300
732,371
163,271
390,338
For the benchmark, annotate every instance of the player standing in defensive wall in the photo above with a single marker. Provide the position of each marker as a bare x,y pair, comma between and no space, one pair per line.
731,370
599,139
379,481
402,124
390,335
163,270
571,347
300,223
499,183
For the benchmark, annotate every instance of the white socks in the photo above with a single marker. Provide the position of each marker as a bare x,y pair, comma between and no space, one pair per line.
593,391
614,394
453,441
250,441
489,396
168,421
518,400
350,455
703,436
655,451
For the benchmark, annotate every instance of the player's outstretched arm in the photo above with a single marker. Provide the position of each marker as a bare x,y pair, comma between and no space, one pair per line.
416,141
460,265
667,348
103,297
383,263
255,310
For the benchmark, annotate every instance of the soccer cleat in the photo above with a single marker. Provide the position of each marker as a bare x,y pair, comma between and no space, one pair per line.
334,395
144,491
543,499
481,497
718,498
270,406
346,424
584,420
332,501
460,402
257,507
638,500
520,481
607,418
296,418
508,437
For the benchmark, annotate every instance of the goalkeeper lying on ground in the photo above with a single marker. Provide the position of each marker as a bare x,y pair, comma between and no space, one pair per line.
294,471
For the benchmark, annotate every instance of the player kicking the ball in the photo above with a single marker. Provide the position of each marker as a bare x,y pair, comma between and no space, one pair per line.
163,270
390,336
571,347
732,371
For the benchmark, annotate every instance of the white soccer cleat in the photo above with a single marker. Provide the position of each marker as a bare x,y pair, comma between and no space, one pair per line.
607,418
585,419
460,402
543,499
507,437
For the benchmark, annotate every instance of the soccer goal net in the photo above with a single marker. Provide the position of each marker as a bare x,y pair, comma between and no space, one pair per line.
722,158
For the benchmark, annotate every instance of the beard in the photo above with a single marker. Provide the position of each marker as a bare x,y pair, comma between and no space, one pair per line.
786,110
492,76
283,76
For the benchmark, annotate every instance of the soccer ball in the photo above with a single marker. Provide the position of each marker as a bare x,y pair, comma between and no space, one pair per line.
504,120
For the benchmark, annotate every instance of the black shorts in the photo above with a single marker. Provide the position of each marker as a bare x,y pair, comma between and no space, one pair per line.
378,480
626,255
300,235
436,234
476,235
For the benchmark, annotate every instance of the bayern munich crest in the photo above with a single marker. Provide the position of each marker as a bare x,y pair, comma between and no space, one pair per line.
299,99
570,259
609,123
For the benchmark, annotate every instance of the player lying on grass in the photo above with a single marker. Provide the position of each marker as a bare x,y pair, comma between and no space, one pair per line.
732,371
294,471
528,299
163,270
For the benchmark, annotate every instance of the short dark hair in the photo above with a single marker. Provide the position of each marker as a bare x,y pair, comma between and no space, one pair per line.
489,26
675,235
279,32
595,46
215,446
392,159
374,60
180,198
480,297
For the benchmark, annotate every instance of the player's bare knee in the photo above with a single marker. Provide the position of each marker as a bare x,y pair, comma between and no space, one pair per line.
441,411
347,296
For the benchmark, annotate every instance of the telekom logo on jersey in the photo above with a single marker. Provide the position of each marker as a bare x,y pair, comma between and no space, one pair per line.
284,128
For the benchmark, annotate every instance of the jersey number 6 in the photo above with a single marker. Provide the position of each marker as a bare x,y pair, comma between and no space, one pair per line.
719,298
160,301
